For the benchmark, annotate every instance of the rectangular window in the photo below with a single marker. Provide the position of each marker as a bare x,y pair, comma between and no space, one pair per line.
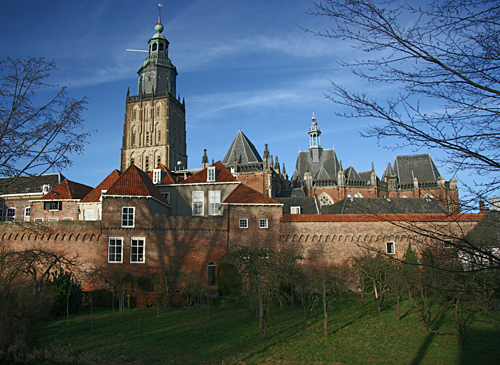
243,223
55,205
137,250
447,243
115,249
88,214
198,202
294,210
211,174
263,223
38,219
53,219
11,214
157,176
213,202
67,218
128,216
390,248
166,196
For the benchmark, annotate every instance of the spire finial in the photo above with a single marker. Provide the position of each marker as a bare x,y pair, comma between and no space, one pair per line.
313,117
159,26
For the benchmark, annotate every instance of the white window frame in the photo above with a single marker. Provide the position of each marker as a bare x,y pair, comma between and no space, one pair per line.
157,176
295,210
211,175
166,196
213,202
52,206
53,219
27,213
390,247
137,250
113,243
198,198
263,223
243,224
128,217
67,218
38,220
10,214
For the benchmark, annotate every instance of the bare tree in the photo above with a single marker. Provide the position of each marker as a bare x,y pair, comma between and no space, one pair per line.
37,129
445,61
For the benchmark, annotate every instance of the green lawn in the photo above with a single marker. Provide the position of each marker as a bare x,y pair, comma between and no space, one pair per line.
358,335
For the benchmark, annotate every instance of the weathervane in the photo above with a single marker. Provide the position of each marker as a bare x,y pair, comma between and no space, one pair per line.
159,12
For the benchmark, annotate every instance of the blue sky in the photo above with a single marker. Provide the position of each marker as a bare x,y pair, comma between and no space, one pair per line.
241,64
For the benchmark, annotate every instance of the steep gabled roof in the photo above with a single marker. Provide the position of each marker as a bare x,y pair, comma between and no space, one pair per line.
135,182
95,194
420,166
351,173
246,195
222,175
68,190
389,171
168,178
241,150
328,165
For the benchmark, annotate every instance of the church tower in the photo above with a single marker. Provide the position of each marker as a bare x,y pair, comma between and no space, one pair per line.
154,130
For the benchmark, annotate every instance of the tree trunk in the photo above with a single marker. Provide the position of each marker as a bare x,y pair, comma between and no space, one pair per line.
458,320
325,310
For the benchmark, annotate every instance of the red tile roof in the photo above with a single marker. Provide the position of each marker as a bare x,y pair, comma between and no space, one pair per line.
95,195
222,175
246,195
135,182
167,176
417,217
68,190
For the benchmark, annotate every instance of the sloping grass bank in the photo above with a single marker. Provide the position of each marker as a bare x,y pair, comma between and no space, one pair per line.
358,335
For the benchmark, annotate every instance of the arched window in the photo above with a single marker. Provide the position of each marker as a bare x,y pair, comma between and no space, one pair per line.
134,114
147,138
211,274
132,159
325,199
133,136
155,45
161,46
158,133
158,110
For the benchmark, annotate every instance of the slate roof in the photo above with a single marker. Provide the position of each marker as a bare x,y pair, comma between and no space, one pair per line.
384,206
29,184
420,166
389,171
246,195
68,190
487,232
168,178
307,204
135,182
95,194
326,168
241,150
351,173
222,175
297,193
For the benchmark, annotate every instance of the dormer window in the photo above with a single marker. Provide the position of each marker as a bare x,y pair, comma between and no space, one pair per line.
46,189
157,176
211,174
